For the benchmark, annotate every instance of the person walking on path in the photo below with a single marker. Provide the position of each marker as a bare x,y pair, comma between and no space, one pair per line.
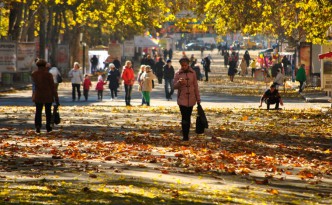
159,70
206,65
253,67
232,66
117,63
44,94
247,58
146,81
188,94
271,96
140,73
128,78
100,87
76,76
113,78
193,61
86,86
169,77
170,53
94,63
243,67
165,53
301,77
279,79
226,57
55,72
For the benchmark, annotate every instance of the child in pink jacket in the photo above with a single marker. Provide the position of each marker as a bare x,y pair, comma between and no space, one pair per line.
100,87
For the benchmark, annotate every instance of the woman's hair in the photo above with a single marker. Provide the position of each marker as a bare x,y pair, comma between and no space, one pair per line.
141,68
128,62
76,63
41,63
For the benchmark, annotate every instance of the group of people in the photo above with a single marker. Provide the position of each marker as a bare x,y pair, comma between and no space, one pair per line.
184,80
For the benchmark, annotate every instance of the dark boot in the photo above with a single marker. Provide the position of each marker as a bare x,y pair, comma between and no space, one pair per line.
185,130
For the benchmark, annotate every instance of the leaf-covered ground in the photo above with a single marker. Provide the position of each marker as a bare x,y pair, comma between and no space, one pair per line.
134,155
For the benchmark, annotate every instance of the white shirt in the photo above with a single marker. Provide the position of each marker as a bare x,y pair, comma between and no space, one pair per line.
55,72
279,79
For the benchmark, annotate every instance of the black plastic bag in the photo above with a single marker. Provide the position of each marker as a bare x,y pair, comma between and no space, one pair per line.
199,125
201,120
59,78
56,115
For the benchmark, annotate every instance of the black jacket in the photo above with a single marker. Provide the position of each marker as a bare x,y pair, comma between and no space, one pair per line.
168,72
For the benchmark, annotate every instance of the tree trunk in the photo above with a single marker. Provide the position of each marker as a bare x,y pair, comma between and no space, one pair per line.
15,18
42,32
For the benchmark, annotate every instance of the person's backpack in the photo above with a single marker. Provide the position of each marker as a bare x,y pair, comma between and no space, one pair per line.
203,62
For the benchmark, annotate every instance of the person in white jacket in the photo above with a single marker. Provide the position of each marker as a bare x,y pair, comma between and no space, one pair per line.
76,76
55,72
146,80
279,79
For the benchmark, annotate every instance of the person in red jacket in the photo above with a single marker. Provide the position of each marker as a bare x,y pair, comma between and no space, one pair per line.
100,87
86,86
128,77
185,82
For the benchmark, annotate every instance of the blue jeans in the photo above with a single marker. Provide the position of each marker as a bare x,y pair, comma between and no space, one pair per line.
169,88
128,89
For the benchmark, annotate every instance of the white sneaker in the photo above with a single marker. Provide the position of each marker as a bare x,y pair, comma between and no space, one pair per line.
111,99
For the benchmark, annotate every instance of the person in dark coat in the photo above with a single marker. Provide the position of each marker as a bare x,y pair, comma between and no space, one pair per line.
44,94
170,53
206,66
168,77
271,96
149,61
232,66
94,63
197,69
159,70
113,78
285,63
247,58
165,52
226,57
117,63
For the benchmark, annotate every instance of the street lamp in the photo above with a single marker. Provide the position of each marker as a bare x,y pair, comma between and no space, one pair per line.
83,52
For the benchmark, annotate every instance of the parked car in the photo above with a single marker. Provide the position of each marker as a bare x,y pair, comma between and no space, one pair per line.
194,46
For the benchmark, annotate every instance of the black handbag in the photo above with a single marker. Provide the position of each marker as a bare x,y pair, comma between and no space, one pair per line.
56,115
59,78
201,120
199,125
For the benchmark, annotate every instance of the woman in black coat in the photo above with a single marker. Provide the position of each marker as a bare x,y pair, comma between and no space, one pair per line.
113,78
159,70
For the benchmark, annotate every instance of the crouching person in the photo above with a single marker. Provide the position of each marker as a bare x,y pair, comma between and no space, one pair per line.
270,97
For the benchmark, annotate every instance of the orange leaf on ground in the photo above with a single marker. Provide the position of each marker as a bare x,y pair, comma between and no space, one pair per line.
164,171
265,181
273,191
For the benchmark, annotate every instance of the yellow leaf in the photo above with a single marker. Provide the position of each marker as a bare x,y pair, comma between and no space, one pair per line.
327,151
